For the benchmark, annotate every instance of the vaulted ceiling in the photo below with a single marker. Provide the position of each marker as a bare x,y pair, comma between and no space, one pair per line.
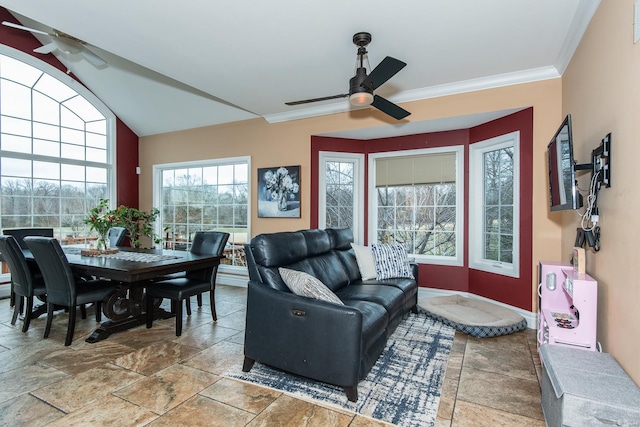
180,65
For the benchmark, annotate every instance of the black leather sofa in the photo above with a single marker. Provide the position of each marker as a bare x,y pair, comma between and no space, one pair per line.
324,341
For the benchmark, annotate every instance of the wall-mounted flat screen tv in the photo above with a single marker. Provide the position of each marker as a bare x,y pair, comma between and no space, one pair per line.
563,187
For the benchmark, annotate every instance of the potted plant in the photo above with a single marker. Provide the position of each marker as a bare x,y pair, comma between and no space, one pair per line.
138,223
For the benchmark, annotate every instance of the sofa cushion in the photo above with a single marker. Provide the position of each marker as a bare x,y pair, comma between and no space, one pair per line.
389,297
374,320
391,261
305,285
317,240
341,238
366,264
277,249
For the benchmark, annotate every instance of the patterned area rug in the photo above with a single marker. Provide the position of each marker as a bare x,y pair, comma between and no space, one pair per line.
403,387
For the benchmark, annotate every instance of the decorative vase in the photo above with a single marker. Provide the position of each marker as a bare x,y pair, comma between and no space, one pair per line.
282,202
103,242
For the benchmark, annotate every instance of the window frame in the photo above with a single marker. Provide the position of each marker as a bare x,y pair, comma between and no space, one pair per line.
358,193
157,170
476,204
80,90
458,150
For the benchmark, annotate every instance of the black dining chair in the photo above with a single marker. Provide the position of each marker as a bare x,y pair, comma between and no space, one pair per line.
116,236
19,234
25,284
178,289
64,289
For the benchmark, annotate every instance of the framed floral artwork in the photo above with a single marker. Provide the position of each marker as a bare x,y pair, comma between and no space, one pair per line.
279,192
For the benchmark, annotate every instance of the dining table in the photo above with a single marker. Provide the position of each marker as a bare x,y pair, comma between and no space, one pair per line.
134,269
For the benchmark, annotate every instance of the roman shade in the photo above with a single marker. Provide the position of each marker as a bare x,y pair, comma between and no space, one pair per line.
421,169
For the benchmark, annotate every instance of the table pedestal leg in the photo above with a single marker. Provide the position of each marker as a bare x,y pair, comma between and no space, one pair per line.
125,309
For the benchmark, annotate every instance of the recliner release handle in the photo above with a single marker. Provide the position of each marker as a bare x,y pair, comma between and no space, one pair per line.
298,313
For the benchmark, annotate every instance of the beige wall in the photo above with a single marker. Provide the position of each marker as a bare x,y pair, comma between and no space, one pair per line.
601,90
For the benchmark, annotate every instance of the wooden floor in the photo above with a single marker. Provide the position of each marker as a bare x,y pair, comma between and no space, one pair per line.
152,377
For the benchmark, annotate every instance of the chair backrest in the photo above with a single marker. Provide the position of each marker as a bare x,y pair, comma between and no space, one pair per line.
208,242
21,276
21,233
116,236
56,271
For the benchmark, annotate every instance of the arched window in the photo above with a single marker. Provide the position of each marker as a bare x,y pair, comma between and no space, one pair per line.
57,148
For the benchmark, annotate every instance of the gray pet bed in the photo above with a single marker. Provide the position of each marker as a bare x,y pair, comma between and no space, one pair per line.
473,316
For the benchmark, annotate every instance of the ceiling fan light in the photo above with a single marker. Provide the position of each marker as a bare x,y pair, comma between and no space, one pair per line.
360,99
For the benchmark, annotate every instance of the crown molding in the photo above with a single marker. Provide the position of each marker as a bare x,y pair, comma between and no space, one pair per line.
472,85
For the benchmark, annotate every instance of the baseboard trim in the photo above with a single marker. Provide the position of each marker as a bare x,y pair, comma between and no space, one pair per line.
529,316
232,279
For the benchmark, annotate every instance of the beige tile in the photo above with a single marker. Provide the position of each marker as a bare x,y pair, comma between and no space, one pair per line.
235,320
75,392
140,336
20,381
202,411
447,398
287,411
238,338
204,336
11,336
470,415
86,356
226,307
107,411
506,360
248,397
442,422
155,357
26,410
31,354
218,358
168,388
360,421
502,392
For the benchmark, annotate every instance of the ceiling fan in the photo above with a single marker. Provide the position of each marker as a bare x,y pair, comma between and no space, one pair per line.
63,42
361,86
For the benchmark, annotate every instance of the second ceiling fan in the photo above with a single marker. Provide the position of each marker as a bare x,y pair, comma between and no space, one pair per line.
64,43
361,86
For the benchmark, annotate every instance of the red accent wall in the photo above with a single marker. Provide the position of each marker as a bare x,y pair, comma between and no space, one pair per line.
126,139
516,292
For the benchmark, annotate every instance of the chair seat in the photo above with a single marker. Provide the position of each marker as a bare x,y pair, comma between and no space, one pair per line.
93,290
178,289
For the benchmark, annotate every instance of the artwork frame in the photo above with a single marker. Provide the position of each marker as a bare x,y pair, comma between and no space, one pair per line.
279,192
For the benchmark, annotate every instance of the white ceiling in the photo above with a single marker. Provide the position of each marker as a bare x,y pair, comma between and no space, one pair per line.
206,62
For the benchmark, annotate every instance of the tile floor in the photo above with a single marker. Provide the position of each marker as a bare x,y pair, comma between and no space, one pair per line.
151,377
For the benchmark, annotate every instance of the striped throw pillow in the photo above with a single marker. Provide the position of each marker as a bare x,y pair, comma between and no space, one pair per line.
391,261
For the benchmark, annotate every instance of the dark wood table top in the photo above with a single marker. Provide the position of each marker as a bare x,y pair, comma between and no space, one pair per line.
134,271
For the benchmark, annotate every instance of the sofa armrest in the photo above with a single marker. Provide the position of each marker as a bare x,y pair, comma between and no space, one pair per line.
301,334
414,270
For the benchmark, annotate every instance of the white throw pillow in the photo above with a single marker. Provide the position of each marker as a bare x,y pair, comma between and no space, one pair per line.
391,261
303,284
364,257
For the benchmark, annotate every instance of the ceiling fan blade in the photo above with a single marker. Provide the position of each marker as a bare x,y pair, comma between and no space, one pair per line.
324,98
388,68
389,108
21,27
94,59
47,48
